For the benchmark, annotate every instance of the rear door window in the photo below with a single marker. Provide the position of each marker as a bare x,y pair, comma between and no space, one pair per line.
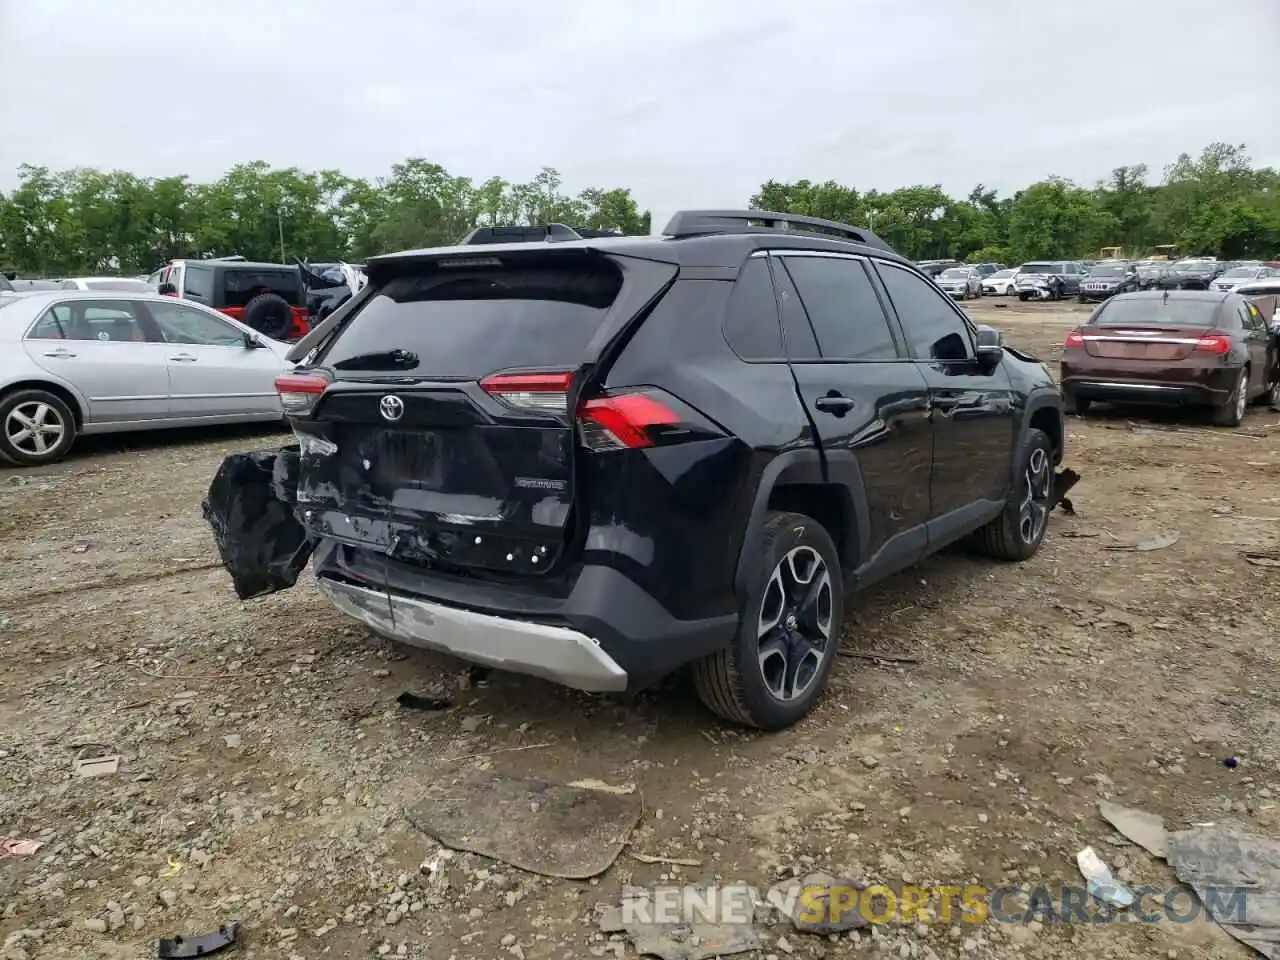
466,323
107,321
842,305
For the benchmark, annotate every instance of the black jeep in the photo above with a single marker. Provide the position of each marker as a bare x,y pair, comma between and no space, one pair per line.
600,460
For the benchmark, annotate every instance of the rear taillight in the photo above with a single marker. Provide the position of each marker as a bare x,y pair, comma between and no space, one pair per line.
1074,339
299,392
535,392
623,422
1214,343
633,419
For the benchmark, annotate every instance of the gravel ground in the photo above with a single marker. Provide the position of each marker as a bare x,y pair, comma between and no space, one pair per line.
265,765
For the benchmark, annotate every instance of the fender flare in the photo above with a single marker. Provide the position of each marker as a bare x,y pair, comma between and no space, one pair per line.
1039,399
805,466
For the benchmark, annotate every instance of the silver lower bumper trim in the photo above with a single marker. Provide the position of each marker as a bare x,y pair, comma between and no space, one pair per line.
560,654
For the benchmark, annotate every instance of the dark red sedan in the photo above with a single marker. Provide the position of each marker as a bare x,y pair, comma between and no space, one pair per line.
1171,348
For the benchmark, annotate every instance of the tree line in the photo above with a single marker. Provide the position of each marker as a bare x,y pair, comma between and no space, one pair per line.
85,221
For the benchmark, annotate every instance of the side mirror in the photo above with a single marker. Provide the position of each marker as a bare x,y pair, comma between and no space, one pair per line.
251,342
167,290
990,346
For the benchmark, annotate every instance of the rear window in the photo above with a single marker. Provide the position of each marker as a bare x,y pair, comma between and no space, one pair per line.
1158,311
241,286
465,325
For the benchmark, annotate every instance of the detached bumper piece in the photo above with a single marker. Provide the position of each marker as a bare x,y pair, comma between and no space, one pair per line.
250,508
171,948
556,653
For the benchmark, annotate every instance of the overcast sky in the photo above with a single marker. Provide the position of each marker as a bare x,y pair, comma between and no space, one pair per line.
688,102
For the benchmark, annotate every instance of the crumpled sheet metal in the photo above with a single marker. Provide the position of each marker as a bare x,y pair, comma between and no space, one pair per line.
250,508
1222,863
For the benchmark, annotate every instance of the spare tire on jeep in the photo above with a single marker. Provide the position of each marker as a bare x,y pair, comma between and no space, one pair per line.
269,314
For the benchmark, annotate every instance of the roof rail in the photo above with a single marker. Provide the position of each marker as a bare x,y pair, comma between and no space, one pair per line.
549,233
692,223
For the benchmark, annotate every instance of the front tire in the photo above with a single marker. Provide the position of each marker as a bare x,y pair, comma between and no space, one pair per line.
36,428
1019,530
775,669
1231,412
1273,398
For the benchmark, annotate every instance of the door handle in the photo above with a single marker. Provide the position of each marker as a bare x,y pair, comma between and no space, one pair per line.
834,403
60,354
183,358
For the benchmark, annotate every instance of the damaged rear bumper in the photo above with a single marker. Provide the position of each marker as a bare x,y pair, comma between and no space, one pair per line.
250,508
551,652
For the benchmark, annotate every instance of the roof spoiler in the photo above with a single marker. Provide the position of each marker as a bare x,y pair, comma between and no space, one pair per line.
539,233
693,223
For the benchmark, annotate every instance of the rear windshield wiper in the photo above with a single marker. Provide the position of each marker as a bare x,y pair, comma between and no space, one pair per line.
379,360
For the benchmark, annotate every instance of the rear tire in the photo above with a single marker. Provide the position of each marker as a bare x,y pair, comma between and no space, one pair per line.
775,669
1231,412
1017,533
35,419
1273,398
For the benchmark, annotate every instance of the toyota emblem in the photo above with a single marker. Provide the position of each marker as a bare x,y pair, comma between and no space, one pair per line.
391,407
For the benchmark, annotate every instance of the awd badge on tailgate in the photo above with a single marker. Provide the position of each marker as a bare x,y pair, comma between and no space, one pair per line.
391,407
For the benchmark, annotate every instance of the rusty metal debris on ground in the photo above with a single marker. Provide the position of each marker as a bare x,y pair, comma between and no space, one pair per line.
1213,858
174,948
1260,559
703,939
551,829
801,910
1159,542
1144,829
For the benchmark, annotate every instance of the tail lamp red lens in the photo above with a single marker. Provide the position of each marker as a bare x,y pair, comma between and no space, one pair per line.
1214,343
299,392
1074,339
617,422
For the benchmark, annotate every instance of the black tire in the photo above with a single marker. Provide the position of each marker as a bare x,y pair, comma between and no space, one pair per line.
1019,530
1080,298
269,314
1230,413
736,682
1023,297
1273,395
51,411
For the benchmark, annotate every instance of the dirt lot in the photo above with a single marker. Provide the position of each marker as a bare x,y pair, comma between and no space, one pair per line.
266,765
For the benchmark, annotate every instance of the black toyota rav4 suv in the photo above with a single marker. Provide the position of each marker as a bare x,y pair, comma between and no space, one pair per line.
600,460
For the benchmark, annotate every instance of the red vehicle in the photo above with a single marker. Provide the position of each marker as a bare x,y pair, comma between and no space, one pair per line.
269,297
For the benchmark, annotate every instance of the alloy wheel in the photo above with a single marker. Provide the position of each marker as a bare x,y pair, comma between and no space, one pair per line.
1275,395
1033,512
1242,394
34,428
794,628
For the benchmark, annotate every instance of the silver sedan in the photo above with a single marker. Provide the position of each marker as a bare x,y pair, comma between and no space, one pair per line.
76,363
